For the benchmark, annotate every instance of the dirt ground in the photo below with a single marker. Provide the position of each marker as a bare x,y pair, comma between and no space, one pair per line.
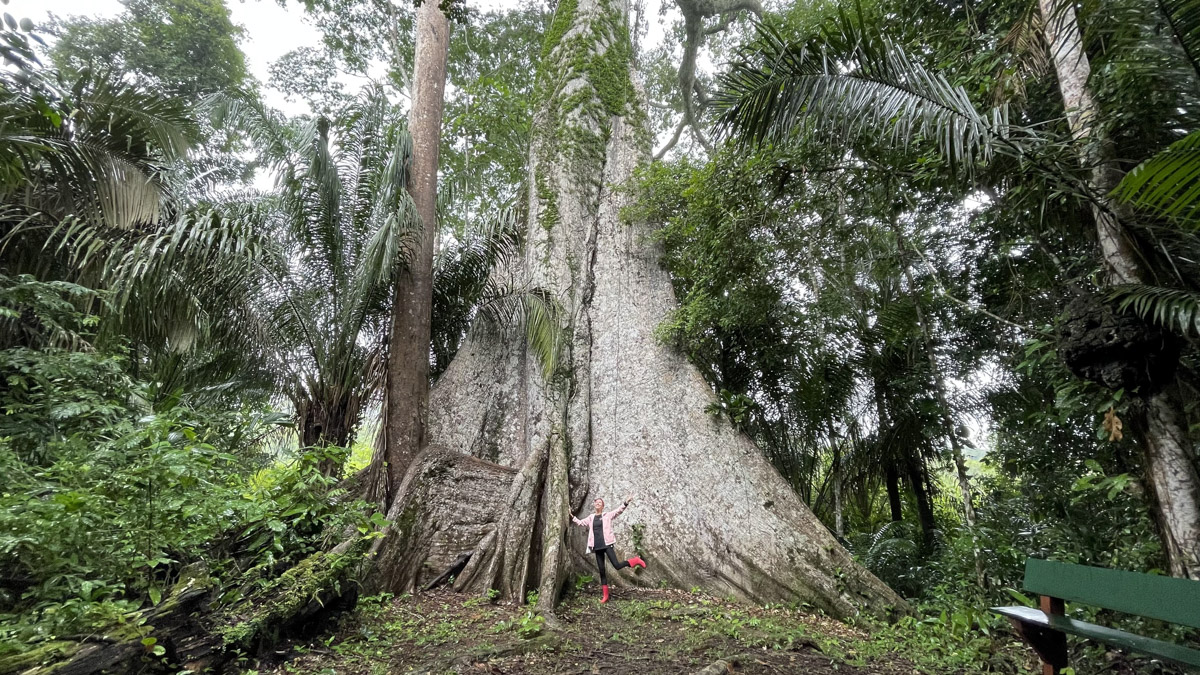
637,631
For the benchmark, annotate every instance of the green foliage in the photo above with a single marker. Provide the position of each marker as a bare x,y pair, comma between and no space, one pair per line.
466,291
188,48
97,149
780,87
340,223
1167,182
106,498
528,625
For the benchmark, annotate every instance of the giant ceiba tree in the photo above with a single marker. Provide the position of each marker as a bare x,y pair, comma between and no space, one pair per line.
516,440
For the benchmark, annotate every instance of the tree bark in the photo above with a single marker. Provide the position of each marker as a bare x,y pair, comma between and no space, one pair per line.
406,396
623,414
914,468
325,420
1061,30
892,480
1170,467
446,505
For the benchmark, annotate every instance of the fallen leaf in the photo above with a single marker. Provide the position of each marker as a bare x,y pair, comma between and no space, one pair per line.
1113,425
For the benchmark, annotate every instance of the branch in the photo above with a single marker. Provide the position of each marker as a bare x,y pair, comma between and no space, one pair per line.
721,25
674,139
699,135
694,14
967,305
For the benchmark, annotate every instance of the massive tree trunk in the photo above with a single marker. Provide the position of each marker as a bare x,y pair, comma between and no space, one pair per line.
408,346
1170,465
623,414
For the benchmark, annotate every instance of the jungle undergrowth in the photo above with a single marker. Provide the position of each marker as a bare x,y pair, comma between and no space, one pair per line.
651,630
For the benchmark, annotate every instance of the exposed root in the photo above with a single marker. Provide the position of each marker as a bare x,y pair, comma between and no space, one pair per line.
501,561
447,503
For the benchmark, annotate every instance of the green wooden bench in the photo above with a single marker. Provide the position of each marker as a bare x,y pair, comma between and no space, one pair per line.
1045,629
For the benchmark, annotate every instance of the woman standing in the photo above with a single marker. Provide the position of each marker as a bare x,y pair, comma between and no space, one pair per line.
601,540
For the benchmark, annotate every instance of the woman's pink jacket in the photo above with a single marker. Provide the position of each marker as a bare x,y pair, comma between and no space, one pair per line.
609,537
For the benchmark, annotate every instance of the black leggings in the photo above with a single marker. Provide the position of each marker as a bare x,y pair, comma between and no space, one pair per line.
612,557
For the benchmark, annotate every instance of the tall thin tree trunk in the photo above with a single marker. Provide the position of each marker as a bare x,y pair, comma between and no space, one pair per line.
914,469
1170,466
891,475
947,414
838,527
892,480
939,385
1172,472
406,398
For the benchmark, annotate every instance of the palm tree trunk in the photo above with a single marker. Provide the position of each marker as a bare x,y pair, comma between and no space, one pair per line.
916,477
1170,466
890,475
838,526
327,418
407,390
892,479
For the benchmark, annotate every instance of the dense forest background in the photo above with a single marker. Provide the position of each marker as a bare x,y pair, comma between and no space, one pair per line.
888,279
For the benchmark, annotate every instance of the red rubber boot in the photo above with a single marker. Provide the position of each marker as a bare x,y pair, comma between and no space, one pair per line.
635,561
605,598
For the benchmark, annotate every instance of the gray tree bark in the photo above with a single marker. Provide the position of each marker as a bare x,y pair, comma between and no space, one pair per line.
1170,465
623,414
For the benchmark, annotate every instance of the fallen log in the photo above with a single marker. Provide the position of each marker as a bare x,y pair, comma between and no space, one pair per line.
185,632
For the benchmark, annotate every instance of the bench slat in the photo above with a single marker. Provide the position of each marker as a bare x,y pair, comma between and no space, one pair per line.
1118,638
1166,598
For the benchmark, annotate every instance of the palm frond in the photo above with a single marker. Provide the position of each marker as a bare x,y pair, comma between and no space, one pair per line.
394,210
1172,308
1168,183
847,80
1183,16
100,151
538,313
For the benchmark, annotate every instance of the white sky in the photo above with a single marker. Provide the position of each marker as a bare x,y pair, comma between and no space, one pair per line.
271,30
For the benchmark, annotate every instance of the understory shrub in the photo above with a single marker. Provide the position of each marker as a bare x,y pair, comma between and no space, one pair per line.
105,498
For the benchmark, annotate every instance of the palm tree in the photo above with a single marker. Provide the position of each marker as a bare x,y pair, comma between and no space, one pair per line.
98,152
340,220
343,225
93,192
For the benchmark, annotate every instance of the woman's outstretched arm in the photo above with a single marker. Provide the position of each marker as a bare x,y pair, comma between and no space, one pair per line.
621,509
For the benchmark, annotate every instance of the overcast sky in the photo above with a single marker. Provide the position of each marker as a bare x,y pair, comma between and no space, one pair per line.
271,30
